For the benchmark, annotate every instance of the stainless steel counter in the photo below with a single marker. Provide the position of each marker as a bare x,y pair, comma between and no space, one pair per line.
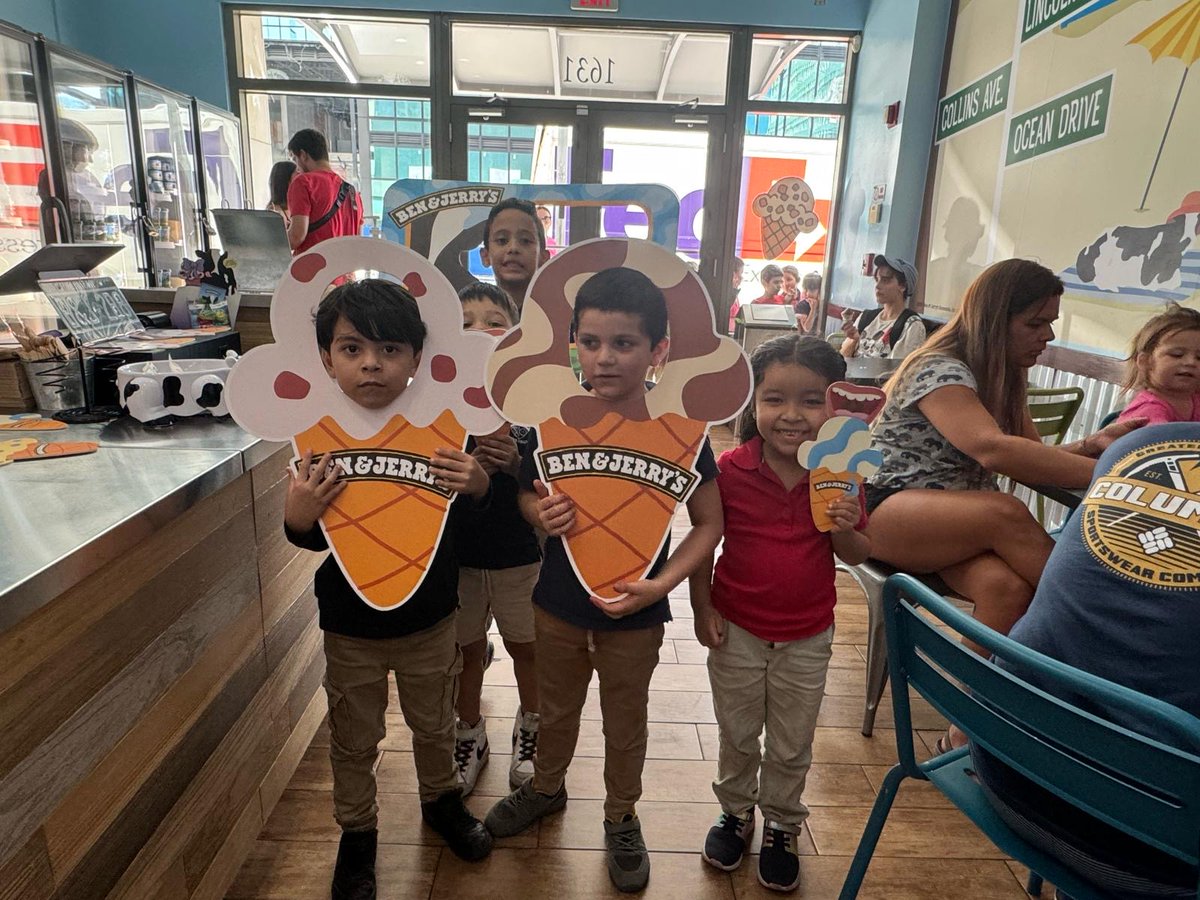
62,519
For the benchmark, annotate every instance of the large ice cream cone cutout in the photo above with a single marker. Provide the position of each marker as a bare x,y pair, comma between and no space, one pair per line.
785,211
841,456
385,526
626,466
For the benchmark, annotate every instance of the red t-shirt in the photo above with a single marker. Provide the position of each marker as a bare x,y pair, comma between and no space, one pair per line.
312,194
775,574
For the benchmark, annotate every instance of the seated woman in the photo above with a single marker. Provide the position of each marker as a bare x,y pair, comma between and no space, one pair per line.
955,416
1136,630
893,330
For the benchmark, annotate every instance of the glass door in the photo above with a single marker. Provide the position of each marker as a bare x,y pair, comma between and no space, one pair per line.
519,145
172,188
221,154
100,187
24,181
674,150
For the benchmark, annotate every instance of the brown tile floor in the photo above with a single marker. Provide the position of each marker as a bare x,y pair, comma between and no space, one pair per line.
928,849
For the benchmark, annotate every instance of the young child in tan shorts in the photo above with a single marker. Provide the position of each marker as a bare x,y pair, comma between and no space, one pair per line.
499,560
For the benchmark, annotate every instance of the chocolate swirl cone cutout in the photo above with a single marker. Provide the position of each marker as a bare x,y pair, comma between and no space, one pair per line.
627,466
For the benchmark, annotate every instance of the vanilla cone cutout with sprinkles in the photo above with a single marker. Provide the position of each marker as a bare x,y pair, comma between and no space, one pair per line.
385,526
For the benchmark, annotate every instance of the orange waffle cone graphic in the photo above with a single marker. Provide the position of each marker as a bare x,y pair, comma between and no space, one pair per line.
385,525
824,487
775,237
626,478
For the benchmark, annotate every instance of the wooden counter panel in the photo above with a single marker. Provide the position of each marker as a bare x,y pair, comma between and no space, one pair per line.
58,723
210,806
45,635
166,735
150,715
27,875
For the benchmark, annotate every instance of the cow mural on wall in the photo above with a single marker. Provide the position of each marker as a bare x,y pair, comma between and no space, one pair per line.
1146,259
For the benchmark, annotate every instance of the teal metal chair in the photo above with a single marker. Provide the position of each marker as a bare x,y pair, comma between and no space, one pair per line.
1136,784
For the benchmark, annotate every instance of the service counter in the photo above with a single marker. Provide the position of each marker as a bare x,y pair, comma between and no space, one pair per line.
253,318
160,662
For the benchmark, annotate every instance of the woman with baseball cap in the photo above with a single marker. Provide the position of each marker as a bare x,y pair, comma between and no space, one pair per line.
893,330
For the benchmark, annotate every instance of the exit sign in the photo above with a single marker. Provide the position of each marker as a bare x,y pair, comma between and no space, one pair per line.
594,5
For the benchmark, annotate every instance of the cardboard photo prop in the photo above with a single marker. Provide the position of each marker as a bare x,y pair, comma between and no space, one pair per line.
385,526
626,466
23,449
30,422
841,456
785,211
443,220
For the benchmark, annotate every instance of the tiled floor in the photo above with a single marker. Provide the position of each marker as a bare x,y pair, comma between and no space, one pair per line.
928,849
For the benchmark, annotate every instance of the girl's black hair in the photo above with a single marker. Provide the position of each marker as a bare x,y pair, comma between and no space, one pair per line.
481,290
279,180
379,310
796,349
627,291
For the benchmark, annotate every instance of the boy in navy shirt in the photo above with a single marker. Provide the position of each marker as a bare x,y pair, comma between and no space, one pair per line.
620,324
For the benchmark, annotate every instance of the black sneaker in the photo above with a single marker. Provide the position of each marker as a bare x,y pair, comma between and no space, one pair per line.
354,873
463,833
628,861
728,840
522,808
779,859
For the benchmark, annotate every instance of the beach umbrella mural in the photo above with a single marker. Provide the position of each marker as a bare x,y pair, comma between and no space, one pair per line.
1175,35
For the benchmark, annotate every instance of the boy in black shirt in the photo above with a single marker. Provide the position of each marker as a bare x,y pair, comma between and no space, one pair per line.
370,335
499,560
620,324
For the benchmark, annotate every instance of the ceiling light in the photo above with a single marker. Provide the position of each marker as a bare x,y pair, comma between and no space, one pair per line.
463,59
400,40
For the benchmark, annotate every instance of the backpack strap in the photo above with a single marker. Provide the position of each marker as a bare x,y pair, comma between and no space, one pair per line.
893,333
344,192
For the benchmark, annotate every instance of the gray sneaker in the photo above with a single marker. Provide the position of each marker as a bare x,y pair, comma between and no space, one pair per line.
628,861
522,808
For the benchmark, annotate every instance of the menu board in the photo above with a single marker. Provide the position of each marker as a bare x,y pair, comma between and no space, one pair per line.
94,309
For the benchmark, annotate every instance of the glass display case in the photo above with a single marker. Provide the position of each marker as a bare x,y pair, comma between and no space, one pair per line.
23,179
171,184
221,152
100,187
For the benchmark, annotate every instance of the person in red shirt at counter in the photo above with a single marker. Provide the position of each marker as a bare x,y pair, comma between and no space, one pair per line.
322,204
771,279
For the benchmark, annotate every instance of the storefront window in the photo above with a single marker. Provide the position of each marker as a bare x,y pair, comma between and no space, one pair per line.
779,146
372,141
589,63
797,70
346,50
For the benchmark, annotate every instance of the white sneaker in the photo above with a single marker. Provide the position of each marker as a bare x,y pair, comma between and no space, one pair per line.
470,752
524,743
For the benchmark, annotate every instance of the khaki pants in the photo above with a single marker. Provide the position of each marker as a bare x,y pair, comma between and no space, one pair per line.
426,665
779,686
624,660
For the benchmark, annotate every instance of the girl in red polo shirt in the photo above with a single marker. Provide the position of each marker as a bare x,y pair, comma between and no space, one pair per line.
766,613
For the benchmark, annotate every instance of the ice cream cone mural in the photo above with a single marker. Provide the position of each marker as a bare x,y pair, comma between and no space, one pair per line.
841,456
626,466
385,526
784,212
